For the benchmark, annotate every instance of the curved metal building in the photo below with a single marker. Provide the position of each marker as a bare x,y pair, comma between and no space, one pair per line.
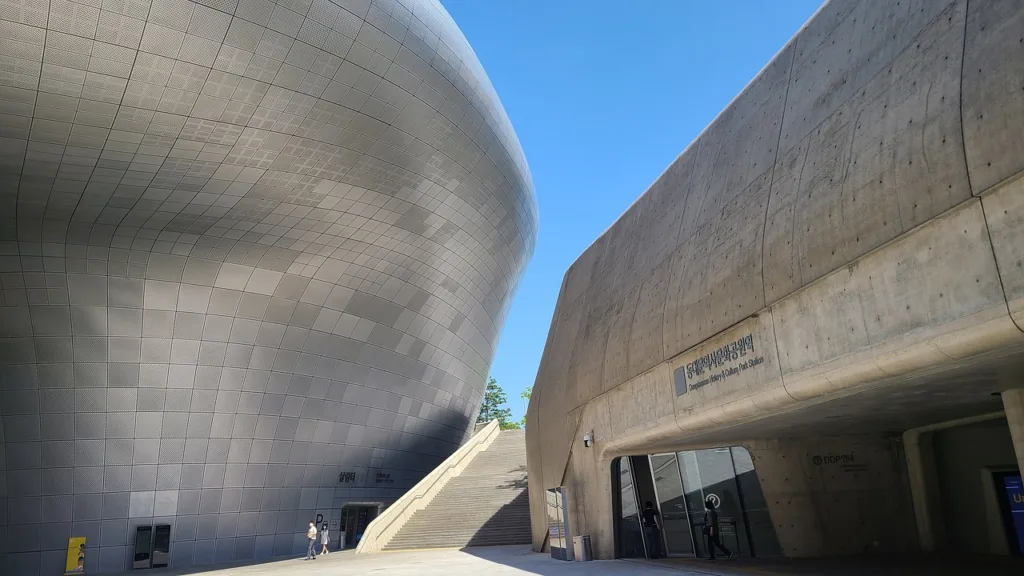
254,258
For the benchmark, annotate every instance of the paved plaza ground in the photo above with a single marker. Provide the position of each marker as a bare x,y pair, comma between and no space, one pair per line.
483,561
520,561
866,565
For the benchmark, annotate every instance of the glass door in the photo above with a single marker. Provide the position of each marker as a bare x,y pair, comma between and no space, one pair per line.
348,523
668,486
718,481
693,494
631,535
557,520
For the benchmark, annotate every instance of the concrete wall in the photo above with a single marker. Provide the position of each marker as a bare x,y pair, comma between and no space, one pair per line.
855,210
835,495
961,456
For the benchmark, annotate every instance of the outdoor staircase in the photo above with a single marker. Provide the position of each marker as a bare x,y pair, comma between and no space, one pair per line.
486,505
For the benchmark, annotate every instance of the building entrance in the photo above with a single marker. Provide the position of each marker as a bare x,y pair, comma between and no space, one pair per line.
354,520
678,484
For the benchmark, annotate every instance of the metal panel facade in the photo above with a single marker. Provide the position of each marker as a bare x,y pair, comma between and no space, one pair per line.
254,258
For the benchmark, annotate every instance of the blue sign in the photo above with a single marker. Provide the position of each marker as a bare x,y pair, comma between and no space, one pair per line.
1015,494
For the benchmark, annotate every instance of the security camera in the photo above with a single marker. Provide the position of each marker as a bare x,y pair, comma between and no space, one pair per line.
588,439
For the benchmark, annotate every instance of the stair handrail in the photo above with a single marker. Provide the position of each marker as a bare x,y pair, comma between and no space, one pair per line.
384,527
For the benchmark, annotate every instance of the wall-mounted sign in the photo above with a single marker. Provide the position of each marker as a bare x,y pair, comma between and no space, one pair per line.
346,477
845,462
383,478
718,365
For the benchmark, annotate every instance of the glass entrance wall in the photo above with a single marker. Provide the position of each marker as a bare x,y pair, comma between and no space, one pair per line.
683,482
676,533
718,484
726,477
693,495
760,528
630,541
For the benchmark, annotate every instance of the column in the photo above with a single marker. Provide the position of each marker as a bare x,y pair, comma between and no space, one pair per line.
1013,405
920,457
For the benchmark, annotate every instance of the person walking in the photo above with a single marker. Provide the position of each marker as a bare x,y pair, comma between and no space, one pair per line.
652,530
311,535
712,532
324,539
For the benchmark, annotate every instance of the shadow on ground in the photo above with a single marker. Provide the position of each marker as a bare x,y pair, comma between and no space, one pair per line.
510,524
521,560
875,565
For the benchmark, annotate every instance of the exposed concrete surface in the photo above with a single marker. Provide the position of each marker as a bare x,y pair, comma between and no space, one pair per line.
1013,402
857,212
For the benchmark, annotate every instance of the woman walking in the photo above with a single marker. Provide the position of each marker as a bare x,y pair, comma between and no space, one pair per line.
324,539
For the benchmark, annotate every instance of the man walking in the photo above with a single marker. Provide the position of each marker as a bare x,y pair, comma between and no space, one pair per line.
711,531
652,530
311,535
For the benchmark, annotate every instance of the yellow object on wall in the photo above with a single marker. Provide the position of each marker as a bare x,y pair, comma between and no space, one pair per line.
76,556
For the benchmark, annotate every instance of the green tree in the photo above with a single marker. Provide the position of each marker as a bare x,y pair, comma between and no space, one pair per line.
493,407
525,395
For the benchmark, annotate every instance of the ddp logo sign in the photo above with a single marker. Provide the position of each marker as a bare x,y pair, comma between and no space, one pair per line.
820,459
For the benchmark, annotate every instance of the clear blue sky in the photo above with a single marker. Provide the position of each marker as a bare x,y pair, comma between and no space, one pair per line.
604,95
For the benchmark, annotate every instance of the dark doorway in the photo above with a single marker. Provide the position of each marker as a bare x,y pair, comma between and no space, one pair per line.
354,520
143,547
161,545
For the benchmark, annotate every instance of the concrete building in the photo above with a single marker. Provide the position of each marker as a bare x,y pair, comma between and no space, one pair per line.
814,316
254,257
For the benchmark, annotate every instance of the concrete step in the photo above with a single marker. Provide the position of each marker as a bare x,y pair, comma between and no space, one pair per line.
462,534
512,535
466,499
431,525
494,501
511,532
453,540
451,543
485,505
502,513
